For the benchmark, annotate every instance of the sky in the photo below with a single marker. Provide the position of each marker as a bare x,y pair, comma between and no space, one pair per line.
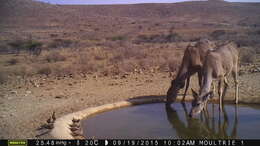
97,2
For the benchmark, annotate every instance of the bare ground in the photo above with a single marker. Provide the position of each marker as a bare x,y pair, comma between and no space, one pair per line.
25,107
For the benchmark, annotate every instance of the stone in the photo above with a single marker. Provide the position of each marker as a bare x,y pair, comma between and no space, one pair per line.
13,92
28,92
59,96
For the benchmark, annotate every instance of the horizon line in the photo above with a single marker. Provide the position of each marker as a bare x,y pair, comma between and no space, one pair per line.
127,2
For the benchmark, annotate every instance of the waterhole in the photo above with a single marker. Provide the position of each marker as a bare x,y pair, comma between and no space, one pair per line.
161,121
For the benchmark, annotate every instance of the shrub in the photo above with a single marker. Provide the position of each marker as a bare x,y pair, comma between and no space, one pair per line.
13,61
34,47
257,49
224,35
158,38
173,65
22,70
46,70
217,34
116,58
16,45
258,32
247,55
98,53
58,43
145,63
53,35
85,63
117,38
4,48
173,37
3,77
55,56
88,67
64,70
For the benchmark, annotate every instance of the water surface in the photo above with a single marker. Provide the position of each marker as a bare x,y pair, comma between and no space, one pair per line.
161,121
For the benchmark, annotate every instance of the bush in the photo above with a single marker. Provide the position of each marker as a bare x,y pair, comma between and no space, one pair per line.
16,45
159,38
98,53
217,34
4,48
224,35
64,70
258,32
173,65
22,70
13,61
34,47
247,55
46,70
173,37
3,77
117,38
55,56
257,49
85,63
58,43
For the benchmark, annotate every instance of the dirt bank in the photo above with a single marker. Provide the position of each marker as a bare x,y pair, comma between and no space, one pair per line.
25,107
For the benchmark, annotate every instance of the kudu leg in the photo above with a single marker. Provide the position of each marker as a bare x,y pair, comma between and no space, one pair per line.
220,92
235,76
186,88
214,87
225,87
200,78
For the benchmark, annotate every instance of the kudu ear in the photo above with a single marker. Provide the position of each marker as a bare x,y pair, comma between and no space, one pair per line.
208,95
194,94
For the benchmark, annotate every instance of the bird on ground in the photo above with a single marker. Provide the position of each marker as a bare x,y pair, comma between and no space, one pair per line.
77,133
74,120
75,125
49,120
74,129
53,116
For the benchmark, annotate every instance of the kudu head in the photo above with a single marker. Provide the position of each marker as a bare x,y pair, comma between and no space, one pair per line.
199,102
172,92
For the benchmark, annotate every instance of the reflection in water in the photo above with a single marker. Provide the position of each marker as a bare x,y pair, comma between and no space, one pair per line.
207,126
164,122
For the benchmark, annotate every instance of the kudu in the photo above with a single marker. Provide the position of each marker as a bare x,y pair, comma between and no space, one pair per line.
218,65
192,62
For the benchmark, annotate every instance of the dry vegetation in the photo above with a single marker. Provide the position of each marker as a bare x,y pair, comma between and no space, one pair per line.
77,40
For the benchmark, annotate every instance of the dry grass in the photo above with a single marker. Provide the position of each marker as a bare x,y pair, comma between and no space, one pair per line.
3,77
13,61
44,70
102,60
247,55
107,59
61,43
54,56
119,40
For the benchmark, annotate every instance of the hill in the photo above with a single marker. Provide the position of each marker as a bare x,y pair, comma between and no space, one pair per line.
121,38
28,15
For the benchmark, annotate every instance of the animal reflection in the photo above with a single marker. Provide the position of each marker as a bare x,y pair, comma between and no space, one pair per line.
205,127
